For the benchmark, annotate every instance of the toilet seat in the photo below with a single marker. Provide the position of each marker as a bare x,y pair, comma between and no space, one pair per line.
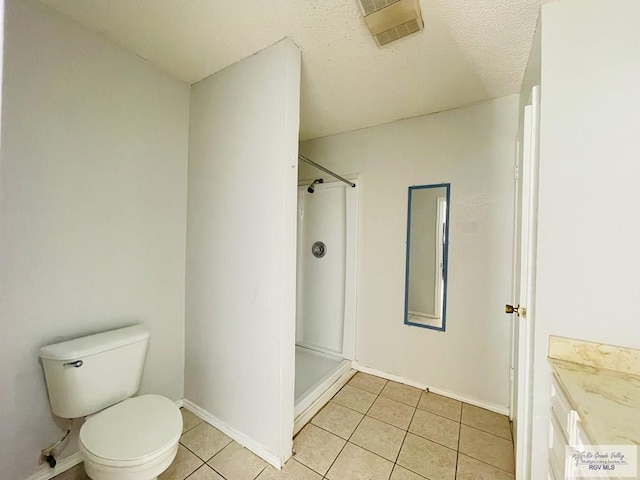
133,432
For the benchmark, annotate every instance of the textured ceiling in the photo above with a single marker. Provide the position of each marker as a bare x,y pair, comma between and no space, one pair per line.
470,50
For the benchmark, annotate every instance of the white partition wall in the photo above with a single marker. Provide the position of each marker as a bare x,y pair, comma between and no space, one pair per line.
241,249
588,226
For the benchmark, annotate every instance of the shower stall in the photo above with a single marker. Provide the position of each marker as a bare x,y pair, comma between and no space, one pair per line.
326,279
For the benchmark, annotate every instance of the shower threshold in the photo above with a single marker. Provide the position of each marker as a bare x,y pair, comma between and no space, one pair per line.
319,376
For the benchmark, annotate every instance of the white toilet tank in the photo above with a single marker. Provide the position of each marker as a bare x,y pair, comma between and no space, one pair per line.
88,374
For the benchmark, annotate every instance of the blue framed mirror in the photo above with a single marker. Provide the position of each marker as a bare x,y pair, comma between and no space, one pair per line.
425,302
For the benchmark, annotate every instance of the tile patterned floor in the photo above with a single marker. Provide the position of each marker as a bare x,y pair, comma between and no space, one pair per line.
372,429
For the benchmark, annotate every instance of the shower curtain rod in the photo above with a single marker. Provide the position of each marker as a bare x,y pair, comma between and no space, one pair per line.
326,170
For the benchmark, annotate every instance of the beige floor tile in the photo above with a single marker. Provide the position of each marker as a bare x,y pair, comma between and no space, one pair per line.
354,398
291,471
189,420
487,448
183,465
367,382
205,472
472,469
427,458
443,406
234,462
355,463
400,473
401,393
317,448
435,428
486,420
391,412
205,440
337,419
378,437
74,473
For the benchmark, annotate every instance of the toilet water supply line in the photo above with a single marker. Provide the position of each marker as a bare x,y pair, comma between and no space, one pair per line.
47,454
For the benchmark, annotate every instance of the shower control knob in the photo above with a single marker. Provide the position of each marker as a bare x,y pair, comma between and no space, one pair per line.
319,249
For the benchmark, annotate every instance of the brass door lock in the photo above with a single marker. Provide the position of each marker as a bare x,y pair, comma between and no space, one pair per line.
518,310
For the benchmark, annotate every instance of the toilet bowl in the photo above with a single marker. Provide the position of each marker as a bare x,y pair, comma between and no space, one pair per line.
136,439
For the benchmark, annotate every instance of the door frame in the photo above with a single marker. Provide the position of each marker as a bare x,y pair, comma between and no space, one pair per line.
525,235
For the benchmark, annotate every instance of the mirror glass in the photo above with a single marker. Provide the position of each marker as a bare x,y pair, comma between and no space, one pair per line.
427,245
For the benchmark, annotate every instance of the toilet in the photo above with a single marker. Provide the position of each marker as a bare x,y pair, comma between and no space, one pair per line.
123,437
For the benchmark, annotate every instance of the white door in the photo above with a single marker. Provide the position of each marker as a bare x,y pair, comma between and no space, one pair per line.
523,288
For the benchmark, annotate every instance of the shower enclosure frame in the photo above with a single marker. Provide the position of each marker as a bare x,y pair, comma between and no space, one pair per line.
311,404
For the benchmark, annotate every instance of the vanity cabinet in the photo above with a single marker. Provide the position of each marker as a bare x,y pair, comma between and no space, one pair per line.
561,420
564,429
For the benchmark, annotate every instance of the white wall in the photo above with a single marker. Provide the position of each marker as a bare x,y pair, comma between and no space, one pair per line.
93,172
473,149
589,225
241,245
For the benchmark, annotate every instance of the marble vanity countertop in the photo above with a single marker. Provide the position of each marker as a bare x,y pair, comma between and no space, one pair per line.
602,383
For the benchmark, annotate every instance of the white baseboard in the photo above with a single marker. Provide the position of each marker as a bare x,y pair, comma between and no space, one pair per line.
64,464
239,437
462,398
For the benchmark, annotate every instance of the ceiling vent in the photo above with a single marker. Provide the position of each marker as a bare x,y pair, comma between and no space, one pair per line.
391,20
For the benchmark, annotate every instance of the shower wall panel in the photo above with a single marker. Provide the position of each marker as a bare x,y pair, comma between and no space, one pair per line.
321,268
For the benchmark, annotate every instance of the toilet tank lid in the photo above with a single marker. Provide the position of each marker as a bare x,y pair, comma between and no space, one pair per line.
92,344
